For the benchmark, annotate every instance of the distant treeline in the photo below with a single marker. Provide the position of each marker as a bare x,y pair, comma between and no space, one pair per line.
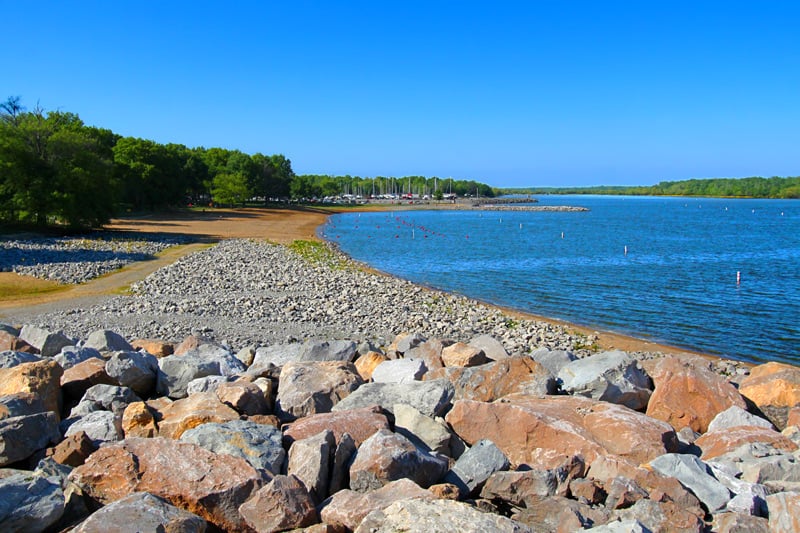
755,187
55,170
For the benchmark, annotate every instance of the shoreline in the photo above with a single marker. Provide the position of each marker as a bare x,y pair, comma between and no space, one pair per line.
284,226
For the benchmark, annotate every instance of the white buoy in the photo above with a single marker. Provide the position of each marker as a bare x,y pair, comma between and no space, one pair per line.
562,234
626,250
520,226
738,277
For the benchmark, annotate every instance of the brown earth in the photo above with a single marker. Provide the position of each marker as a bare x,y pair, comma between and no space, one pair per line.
275,225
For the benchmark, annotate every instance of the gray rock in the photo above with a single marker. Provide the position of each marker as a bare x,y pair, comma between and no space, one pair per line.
110,397
406,342
621,526
258,444
100,426
475,466
399,371
424,431
614,377
30,502
141,511
10,358
22,436
176,371
8,328
387,456
47,342
229,365
491,347
695,475
760,463
272,356
20,404
135,370
70,356
315,350
311,387
653,516
525,487
425,516
205,384
309,460
553,360
736,416
340,474
105,340
246,355
431,398
749,498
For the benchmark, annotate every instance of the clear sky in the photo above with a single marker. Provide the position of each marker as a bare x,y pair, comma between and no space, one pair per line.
547,93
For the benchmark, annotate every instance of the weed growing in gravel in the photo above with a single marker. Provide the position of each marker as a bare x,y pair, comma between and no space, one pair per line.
319,254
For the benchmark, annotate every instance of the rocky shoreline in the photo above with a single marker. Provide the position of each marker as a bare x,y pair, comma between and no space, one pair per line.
254,387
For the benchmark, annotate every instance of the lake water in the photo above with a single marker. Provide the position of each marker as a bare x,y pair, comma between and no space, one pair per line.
677,283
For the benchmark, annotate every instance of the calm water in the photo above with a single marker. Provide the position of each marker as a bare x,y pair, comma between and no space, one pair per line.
676,284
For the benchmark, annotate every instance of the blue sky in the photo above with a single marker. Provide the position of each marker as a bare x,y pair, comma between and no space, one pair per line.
545,93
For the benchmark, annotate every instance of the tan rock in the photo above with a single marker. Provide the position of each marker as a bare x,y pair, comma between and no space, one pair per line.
282,504
784,512
192,411
430,352
445,491
192,342
489,382
543,432
775,389
367,363
245,397
210,485
348,508
311,387
462,354
73,450
359,423
687,395
716,443
793,417
155,347
267,420
78,378
138,421
14,343
42,378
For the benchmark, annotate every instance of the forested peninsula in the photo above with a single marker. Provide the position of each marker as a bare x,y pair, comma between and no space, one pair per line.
754,187
57,171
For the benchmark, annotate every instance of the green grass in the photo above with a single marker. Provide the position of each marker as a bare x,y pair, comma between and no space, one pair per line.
319,254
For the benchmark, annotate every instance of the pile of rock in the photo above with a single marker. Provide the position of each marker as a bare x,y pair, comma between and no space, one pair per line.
422,435
81,258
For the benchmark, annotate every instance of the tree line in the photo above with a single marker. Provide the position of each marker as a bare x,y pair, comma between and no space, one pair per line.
753,187
56,170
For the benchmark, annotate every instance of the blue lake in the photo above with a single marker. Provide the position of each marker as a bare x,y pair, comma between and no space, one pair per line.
663,269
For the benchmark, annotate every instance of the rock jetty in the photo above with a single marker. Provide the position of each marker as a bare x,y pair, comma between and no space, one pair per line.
421,434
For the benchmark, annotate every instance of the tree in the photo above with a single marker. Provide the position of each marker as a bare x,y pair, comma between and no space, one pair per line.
230,188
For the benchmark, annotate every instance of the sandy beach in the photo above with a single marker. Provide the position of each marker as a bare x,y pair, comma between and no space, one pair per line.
274,225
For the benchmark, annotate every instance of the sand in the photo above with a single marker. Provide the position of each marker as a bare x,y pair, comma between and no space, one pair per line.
275,225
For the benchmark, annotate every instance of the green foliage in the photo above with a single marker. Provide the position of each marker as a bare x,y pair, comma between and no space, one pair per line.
321,185
754,187
230,188
318,253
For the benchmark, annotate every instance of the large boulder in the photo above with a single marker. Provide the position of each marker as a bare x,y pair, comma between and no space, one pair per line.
553,360
494,380
491,347
136,370
429,352
462,354
210,485
258,444
105,340
12,358
360,424
399,371
141,511
735,416
420,515
775,389
784,512
72,355
690,395
282,504
367,363
201,408
523,487
100,426
29,502
307,388
245,397
716,443
20,404
176,371
474,467
108,397
310,461
696,476
387,456
138,421
424,431
614,377
347,508
431,398
78,378
49,343
22,436
42,378
542,431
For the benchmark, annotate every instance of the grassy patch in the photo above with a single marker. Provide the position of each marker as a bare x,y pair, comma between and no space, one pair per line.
14,287
318,253
582,342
